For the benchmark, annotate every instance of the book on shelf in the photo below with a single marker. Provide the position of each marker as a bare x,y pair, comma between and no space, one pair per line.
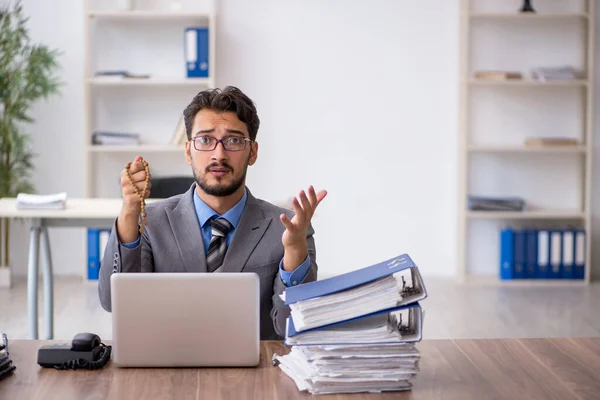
560,73
179,137
55,201
493,203
118,75
550,141
498,75
356,332
115,138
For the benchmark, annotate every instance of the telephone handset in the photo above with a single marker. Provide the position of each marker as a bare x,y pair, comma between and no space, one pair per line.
86,351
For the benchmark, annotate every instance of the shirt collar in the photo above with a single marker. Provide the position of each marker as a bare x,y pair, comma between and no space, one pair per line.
205,213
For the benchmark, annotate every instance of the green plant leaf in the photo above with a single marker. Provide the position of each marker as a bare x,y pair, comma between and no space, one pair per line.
27,75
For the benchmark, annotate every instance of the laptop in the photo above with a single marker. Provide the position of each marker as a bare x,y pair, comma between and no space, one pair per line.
185,319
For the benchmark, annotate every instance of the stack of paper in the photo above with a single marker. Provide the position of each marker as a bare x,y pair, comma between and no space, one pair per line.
356,332
560,73
26,201
488,203
347,369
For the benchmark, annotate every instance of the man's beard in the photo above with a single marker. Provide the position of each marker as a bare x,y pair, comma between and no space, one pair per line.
219,189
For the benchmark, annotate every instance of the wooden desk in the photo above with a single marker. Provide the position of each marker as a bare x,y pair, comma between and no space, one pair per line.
450,369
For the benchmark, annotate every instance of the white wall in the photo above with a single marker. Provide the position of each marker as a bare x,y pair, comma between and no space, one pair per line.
57,133
359,98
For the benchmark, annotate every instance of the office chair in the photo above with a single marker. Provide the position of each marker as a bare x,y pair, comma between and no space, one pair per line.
164,187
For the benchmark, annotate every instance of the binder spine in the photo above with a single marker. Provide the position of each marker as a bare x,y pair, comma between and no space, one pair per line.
507,239
579,259
97,241
568,251
555,267
196,40
531,253
543,254
520,254
93,243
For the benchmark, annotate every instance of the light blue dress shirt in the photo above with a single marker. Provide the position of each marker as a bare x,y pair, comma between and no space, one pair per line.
233,215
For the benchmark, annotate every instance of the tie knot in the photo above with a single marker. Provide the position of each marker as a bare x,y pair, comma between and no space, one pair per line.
220,227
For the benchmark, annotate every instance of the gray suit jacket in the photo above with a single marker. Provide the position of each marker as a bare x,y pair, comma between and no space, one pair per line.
172,242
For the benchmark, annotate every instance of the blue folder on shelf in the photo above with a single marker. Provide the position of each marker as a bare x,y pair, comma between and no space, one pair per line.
507,251
568,254
96,242
413,293
543,254
391,326
197,52
556,267
579,257
531,256
520,256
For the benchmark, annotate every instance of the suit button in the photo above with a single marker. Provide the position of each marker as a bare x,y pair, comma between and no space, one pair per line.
293,283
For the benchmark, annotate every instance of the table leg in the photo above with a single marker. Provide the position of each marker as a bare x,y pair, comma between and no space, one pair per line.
48,284
32,280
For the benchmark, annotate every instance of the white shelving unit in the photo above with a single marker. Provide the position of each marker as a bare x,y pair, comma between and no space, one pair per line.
141,40
492,157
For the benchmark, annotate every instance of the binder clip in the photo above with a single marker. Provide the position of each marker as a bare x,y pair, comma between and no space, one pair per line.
407,290
274,359
396,320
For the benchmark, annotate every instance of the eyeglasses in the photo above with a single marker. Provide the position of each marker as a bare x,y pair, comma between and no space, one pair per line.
230,143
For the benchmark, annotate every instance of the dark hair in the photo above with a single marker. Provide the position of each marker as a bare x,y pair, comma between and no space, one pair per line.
229,99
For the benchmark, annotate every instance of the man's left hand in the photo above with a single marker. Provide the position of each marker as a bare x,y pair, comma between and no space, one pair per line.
294,237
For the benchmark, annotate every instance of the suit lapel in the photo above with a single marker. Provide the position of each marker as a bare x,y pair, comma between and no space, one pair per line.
249,232
187,233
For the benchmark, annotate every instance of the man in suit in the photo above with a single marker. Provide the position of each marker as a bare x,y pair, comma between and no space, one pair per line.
217,225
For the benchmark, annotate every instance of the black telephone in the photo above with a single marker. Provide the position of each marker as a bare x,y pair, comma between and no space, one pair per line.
6,365
86,351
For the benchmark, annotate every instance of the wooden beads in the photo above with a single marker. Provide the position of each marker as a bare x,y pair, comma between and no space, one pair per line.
140,193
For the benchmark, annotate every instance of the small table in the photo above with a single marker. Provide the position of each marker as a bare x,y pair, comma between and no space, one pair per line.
449,369
86,213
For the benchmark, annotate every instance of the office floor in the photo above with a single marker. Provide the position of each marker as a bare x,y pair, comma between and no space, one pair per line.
451,311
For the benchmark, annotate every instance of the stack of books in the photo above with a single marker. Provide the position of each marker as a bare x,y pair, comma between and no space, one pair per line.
356,332
550,141
115,138
486,203
560,73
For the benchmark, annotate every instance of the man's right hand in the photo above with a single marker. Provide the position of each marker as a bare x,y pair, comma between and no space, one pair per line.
127,223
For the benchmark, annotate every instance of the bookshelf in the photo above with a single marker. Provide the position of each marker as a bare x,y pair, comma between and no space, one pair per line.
146,39
174,82
497,115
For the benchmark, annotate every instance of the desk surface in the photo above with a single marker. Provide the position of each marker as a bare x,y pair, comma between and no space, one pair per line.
450,369
75,208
